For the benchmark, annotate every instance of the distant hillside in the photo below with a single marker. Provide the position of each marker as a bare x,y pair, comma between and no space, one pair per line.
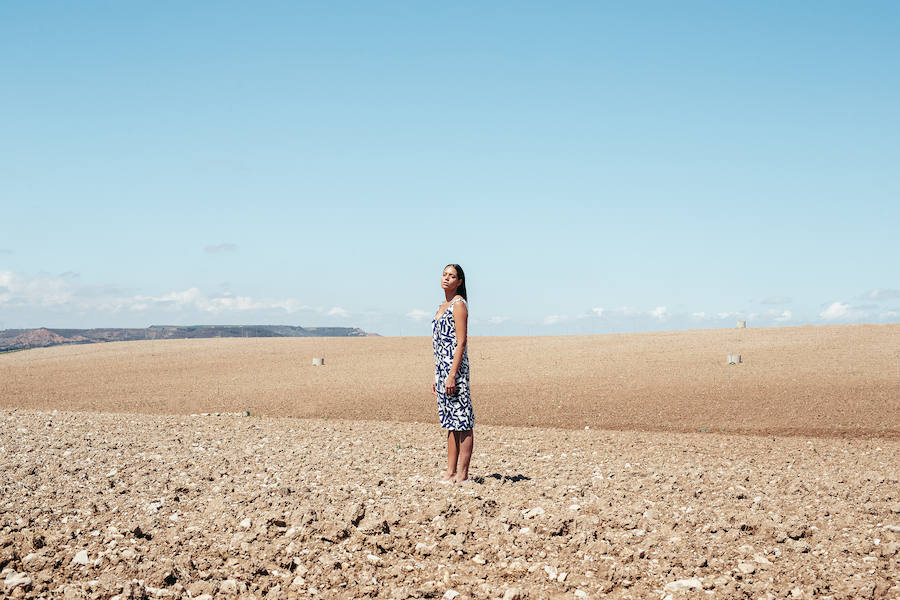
22,339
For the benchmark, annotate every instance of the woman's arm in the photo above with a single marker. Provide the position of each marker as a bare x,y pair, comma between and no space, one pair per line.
461,321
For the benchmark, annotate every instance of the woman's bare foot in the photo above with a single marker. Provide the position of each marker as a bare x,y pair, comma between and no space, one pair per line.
447,477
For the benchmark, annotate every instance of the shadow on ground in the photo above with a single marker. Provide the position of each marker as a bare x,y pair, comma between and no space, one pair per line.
502,478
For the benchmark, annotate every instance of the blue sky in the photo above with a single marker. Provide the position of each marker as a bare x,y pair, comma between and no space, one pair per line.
596,167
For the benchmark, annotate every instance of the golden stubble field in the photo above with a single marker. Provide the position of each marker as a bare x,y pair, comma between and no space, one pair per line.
833,380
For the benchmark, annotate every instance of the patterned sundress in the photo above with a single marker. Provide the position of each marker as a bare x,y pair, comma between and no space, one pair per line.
455,411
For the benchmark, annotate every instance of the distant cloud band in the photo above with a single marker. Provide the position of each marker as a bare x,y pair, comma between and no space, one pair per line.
66,297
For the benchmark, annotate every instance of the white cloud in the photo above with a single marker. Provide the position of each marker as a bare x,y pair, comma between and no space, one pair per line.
698,315
63,292
879,295
837,310
417,314
660,313
194,299
783,317
497,320
219,248
554,319
337,311
289,305
43,291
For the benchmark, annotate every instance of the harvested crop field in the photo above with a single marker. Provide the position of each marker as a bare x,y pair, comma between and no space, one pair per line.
837,380
145,497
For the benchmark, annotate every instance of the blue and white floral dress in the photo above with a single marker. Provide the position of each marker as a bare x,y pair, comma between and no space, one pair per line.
455,411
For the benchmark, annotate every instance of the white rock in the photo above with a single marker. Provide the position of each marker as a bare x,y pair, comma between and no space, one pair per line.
81,558
746,568
581,594
478,559
245,523
562,577
533,512
373,559
513,594
450,594
298,582
892,528
682,585
551,571
14,580
232,586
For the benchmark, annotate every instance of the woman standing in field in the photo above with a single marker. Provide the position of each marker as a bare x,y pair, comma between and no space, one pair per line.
451,374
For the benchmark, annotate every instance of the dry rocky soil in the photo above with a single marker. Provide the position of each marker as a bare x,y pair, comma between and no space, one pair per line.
145,494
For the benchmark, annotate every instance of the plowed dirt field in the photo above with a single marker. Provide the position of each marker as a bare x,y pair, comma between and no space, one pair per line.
840,380
118,478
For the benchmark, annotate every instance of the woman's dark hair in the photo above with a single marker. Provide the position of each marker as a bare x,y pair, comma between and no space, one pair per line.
460,274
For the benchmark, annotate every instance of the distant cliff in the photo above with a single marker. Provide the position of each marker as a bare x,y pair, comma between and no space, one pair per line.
22,339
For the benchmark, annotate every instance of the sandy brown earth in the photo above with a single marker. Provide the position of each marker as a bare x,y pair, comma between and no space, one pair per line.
673,504
838,380
99,505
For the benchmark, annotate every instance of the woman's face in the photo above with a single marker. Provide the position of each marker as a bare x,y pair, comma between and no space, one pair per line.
450,280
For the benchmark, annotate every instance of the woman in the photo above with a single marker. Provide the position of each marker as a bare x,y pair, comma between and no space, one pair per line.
451,374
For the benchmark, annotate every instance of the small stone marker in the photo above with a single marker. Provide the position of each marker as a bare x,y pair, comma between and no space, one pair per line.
734,359
742,324
318,362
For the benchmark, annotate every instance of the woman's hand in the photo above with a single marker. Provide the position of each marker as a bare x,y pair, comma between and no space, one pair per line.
451,384
433,388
